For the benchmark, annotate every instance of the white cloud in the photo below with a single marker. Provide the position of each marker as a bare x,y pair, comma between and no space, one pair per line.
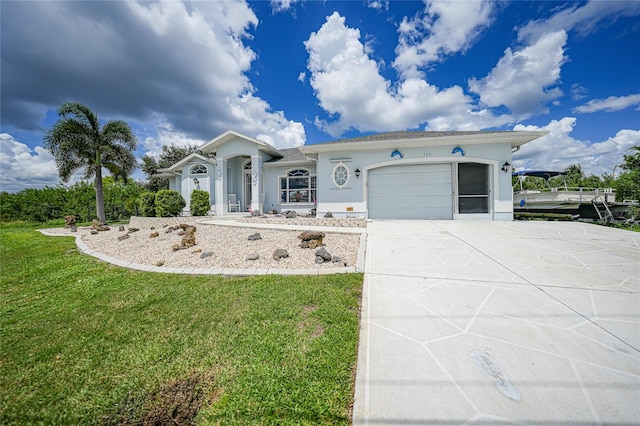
443,28
23,167
282,5
610,104
523,80
582,18
183,62
348,85
558,150
378,4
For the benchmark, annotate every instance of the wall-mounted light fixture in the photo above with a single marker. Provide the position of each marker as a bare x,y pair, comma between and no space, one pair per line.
196,182
506,167
357,172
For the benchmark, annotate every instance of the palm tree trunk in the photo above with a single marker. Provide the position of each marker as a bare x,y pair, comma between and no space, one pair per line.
100,196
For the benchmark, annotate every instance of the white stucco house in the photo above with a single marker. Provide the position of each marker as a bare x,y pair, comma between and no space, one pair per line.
404,175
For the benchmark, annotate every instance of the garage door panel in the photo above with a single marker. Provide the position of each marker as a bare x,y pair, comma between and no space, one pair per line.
417,191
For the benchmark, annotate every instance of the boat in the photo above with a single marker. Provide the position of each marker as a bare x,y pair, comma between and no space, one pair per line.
580,202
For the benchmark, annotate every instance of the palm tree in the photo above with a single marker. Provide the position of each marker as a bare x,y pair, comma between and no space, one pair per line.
77,142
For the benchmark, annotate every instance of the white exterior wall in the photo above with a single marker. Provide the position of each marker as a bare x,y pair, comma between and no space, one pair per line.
351,200
272,189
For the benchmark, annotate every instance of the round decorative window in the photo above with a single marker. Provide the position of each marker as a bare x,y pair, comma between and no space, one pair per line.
340,175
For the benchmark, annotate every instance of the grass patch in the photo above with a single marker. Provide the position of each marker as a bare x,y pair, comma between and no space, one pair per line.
84,342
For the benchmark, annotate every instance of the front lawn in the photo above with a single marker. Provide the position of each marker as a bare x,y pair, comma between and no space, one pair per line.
84,342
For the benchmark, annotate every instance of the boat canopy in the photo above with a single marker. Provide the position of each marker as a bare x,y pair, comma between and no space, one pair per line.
539,173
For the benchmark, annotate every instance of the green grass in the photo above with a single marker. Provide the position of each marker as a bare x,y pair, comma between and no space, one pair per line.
84,342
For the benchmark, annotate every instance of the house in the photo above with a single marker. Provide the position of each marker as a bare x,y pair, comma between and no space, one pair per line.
407,175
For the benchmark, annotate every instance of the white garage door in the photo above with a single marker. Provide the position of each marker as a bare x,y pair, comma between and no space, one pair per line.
413,191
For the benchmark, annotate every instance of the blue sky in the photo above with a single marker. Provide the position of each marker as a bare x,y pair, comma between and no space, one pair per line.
294,72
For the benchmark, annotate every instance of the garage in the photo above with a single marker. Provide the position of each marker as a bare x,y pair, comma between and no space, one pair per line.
411,191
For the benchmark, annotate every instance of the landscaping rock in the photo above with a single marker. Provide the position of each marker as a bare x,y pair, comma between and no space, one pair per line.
280,253
133,229
314,243
70,221
94,232
290,214
123,237
121,228
99,226
189,239
319,259
154,234
324,254
336,259
252,256
177,247
198,250
304,244
180,232
254,237
255,213
206,254
160,263
328,215
312,236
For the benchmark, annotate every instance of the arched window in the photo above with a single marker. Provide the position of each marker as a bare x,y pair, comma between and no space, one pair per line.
198,169
298,186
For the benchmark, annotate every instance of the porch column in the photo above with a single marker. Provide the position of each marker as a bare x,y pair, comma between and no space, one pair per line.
256,183
221,186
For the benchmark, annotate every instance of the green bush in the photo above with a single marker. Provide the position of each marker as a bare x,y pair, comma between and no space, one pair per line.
199,203
169,203
147,204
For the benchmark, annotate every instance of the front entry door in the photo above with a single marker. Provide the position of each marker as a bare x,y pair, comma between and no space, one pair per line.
247,191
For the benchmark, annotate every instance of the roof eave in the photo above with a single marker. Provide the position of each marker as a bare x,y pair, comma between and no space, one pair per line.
515,138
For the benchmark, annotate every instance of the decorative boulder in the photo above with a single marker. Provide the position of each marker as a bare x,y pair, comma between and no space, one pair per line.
99,226
280,253
123,237
133,229
255,213
290,214
70,221
328,215
189,239
323,254
154,234
160,263
252,256
254,237
121,228
312,238
206,254
94,232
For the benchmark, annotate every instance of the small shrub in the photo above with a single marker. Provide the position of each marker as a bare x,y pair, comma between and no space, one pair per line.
169,203
147,204
199,203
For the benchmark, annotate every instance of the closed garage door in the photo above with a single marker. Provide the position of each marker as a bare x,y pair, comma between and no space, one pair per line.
415,191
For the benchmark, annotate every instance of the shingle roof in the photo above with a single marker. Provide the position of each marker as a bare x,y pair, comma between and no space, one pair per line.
411,135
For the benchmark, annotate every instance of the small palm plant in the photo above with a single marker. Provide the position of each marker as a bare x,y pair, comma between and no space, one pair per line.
77,141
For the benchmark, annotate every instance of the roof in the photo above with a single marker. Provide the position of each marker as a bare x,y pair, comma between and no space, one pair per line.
423,138
290,156
178,166
214,143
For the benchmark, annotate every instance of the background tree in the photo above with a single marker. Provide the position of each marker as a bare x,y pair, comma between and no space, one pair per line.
627,185
170,155
77,142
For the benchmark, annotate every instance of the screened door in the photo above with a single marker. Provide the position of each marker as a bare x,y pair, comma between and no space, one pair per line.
473,188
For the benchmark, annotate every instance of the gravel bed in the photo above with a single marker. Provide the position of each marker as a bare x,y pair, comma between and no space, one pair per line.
219,247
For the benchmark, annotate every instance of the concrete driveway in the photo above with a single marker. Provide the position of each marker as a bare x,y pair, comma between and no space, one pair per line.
533,323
